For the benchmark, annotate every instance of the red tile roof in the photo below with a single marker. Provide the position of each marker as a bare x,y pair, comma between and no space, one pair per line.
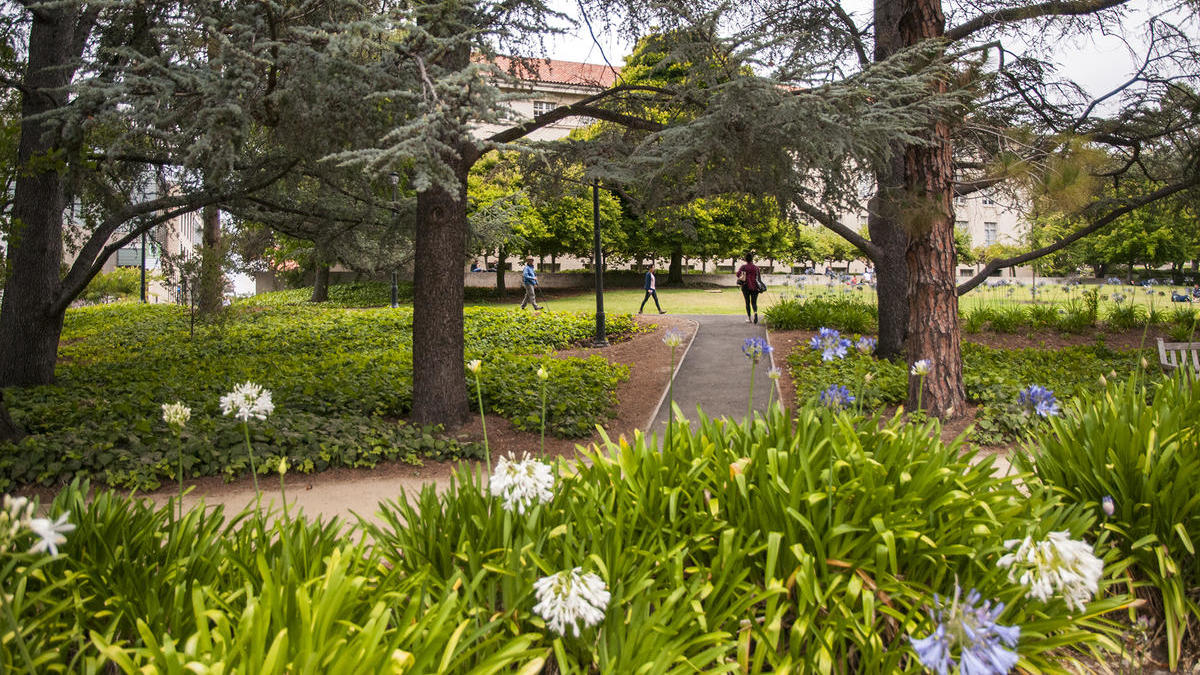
560,72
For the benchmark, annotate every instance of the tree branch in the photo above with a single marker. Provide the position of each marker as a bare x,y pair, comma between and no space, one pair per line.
829,222
1075,236
1024,13
584,107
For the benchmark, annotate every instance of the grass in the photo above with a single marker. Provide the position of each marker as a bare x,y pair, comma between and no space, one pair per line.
627,301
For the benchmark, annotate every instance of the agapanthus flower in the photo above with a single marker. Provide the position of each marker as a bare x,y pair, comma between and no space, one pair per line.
830,343
247,400
672,338
176,414
774,373
521,484
920,368
50,533
474,365
969,627
1116,281
1038,400
1109,506
1055,565
866,344
755,348
836,396
569,599
14,517
1118,297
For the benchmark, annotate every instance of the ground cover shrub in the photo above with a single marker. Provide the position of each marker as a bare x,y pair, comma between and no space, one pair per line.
812,543
1010,319
1184,324
357,294
119,284
1137,446
976,318
841,312
578,391
993,379
340,379
143,589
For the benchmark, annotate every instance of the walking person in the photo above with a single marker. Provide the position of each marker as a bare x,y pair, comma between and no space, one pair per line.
747,276
529,278
648,285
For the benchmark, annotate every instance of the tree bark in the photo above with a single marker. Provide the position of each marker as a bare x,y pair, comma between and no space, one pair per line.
501,259
29,328
320,292
212,280
675,272
933,330
439,377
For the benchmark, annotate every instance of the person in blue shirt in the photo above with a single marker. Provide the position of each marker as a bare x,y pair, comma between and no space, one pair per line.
529,278
648,285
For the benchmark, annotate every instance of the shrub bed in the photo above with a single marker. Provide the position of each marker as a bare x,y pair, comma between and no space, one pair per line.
993,378
805,544
339,378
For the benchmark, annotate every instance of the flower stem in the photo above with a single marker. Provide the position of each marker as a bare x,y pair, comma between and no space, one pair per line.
253,469
671,398
283,496
920,391
12,620
543,419
487,450
180,441
750,401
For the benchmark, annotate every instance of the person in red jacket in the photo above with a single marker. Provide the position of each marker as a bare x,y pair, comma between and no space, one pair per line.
747,276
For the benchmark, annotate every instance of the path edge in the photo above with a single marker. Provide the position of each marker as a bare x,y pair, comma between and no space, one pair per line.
682,357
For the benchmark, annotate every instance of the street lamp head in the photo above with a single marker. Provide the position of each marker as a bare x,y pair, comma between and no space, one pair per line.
394,178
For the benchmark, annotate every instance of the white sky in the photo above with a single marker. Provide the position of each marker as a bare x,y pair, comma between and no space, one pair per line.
1098,63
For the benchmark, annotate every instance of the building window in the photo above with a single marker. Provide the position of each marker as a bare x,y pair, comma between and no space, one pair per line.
988,201
989,234
542,107
960,224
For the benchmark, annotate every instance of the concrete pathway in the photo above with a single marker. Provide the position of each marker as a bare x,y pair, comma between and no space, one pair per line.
715,375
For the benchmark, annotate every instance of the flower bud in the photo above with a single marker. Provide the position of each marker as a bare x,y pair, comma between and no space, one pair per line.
283,465
474,366
738,467
542,374
1109,506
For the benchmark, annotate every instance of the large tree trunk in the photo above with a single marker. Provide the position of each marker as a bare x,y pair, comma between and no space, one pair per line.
439,377
501,258
933,330
320,292
212,279
29,331
675,271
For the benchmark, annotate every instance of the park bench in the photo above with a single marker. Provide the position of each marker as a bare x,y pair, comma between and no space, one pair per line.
1174,355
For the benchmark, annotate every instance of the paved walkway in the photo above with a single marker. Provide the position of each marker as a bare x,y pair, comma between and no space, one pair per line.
715,375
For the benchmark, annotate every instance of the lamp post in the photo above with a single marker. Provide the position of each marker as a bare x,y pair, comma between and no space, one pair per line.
143,286
395,178
598,265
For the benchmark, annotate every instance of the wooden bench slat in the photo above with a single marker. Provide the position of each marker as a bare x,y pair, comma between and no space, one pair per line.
1172,355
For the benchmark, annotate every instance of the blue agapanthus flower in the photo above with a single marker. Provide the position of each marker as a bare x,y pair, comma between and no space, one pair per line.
1116,281
1039,400
755,348
830,343
836,396
866,344
984,647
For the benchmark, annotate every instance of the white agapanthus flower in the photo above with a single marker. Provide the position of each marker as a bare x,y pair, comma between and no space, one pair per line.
569,598
247,400
176,414
920,368
1055,565
14,517
50,533
522,483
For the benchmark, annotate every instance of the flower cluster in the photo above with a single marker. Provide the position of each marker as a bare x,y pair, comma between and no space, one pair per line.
569,598
1118,297
920,368
247,400
830,343
673,337
1116,281
521,484
1055,565
755,348
984,646
865,344
1038,400
176,414
836,396
17,515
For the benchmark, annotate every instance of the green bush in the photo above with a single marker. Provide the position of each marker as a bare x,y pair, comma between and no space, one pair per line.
339,378
993,379
843,313
357,294
119,284
577,392
806,544
1184,325
1124,316
1142,449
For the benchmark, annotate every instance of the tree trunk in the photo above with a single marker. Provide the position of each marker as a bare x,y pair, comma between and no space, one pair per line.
212,279
439,377
8,431
320,292
675,272
933,330
29,332
501,259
